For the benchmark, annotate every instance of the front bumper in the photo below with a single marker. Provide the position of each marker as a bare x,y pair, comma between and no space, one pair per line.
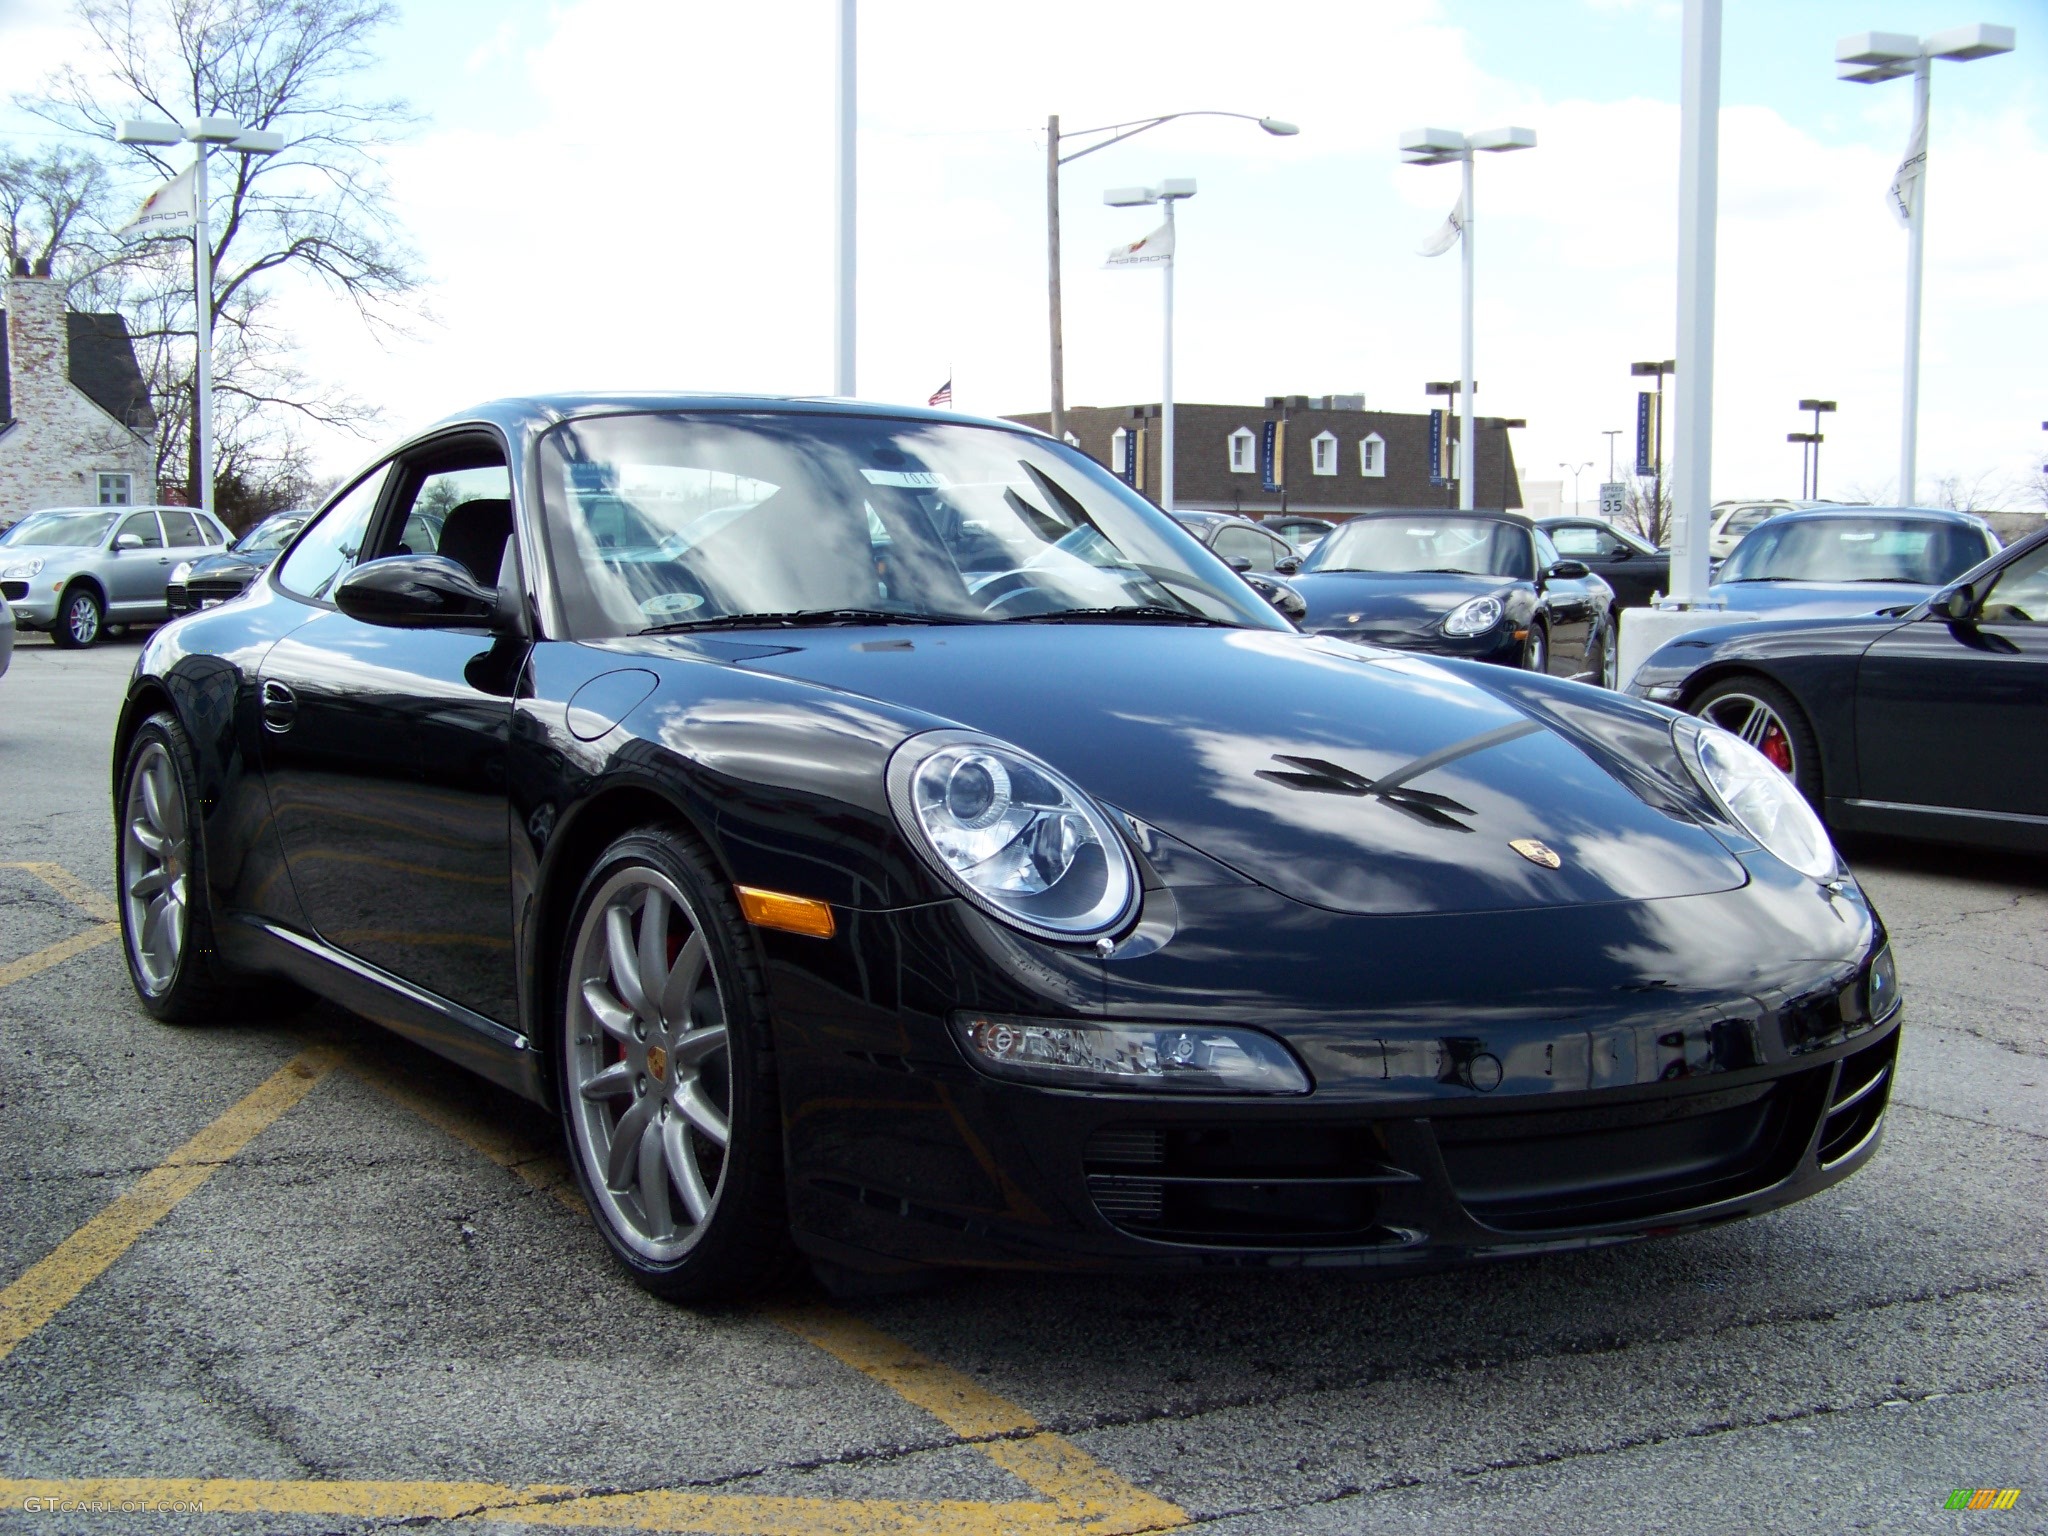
1502,645
36,605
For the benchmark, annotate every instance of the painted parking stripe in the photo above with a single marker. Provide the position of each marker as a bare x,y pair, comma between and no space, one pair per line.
57,953
70,887
49,1284
74,890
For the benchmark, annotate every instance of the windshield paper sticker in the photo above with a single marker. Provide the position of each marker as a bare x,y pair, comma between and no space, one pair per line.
909,479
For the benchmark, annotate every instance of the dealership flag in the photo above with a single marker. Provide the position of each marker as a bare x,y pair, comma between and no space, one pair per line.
1905,187
1153,249
166,211
943,395
1446,237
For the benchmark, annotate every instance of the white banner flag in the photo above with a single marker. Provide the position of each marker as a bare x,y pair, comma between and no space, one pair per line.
166,211
1905,187
1448,236
1150,251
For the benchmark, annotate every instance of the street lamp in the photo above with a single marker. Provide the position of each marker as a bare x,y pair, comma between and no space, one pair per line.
1577,470
1169,192
1867,58
1818,407
206,133
1655,441
1117,132
1611,436
1441,146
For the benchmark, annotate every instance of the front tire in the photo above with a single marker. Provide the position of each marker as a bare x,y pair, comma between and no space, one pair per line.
1769,719
80,618
1536,649
666,1077
160,861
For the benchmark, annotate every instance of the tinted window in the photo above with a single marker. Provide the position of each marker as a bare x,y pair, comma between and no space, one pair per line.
143,526
330,546
2020,595
182,530
272,533
1582,541
1746,519
1546,552
1467,546
1857,549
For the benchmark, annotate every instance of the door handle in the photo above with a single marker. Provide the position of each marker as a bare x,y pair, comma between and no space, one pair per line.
280,707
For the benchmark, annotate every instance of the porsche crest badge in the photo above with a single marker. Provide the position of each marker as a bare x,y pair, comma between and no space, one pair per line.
1535,852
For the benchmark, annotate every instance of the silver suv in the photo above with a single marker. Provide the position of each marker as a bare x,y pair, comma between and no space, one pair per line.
75,571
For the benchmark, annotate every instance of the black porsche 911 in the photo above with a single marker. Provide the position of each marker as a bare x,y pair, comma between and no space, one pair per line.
887,832
1485,586
1928,720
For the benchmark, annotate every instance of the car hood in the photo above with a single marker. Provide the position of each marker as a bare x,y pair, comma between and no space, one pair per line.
1387,605
229,564
1818,599
49,554
1341,775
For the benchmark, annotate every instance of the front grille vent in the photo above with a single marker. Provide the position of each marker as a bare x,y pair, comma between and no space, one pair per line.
1858,1103
14,591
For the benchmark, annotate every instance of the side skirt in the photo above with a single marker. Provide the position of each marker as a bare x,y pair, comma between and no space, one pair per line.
468,1039
1943,824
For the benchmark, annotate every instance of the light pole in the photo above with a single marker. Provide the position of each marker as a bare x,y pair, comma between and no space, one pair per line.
205,133
1577,470
844,244
1611,436
1867,58
1117,132
1814,440
1441,146
1656,443
1168,192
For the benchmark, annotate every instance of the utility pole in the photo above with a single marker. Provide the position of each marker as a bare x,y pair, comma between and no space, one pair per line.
1058,423
845,223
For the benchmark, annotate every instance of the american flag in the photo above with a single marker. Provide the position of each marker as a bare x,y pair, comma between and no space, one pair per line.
943,395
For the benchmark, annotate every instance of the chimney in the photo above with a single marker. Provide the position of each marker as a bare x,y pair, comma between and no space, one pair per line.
38,349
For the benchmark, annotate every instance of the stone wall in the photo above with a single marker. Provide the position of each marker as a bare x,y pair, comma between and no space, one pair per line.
59,441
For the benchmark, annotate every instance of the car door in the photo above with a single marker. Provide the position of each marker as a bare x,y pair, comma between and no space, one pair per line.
1257,549
1571,606
1633,575
1955,713
135,578
385,748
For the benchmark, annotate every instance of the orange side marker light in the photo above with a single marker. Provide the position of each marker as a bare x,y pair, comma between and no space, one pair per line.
792,914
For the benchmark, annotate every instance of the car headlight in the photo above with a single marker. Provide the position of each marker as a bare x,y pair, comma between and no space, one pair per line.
180,571
1073,1053
1473,618
1014,836
21,570
1753,790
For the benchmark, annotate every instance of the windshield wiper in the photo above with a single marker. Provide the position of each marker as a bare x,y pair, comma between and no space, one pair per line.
1143,613
801,618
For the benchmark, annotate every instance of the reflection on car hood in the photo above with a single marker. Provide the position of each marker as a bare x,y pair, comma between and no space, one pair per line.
230,565
49,554
1386,604
1818,599
1268,751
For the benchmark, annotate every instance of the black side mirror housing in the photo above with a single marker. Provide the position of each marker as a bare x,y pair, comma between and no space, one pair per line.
1239,564
1958,605
1569,570
1287,565
418,592
1622,552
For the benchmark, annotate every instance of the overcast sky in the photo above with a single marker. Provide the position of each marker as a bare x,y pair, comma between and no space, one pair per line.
637,193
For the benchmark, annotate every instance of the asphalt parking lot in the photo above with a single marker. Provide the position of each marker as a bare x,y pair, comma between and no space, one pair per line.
289,1275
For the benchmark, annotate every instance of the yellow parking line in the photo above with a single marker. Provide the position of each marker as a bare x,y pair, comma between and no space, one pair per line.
70,887
48,1285
57,953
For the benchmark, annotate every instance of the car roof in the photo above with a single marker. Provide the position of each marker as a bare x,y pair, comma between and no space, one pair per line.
1494,514
572,405
1916,514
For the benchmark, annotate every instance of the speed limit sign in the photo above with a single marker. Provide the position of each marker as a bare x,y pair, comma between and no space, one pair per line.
1613,497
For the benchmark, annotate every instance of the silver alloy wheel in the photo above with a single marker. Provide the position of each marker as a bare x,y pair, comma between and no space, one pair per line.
650,1073
1536,655
81,617
155,865
1757,723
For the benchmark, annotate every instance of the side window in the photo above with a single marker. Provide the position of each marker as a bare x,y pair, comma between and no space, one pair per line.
1323,454
143,526
1245,544
2020,594
1243,460
1546,552
1578,541
463,513
321,558
182,530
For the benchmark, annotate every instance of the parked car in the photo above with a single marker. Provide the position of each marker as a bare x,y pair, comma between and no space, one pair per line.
6,636
76,571
1930,721
1303,533
1076,916
1262,558
1489,586
1635,568
1732,519
1849,560
213,579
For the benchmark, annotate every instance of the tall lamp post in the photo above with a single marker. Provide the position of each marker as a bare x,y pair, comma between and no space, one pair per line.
1611,435
1811,453
1577,470
1168,192
1441,146
205,133
1867,58
1117,133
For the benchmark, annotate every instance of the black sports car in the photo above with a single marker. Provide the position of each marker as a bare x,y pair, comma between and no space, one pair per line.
1929,720
214,579
888,830
1635,568
1486,586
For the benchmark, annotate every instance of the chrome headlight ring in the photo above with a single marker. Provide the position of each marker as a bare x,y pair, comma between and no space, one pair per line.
1474,617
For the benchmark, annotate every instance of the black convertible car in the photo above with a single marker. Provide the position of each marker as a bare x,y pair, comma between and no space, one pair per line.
1929,720
888,831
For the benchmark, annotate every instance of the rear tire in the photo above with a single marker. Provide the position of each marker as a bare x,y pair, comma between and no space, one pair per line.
1536,649
1769,719
80,618
160,863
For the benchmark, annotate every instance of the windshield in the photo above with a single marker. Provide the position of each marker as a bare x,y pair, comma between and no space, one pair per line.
1856,549
61,528
272,534
672,522
1472,546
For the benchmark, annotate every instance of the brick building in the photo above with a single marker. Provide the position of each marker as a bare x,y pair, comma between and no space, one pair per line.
1338,459
76,428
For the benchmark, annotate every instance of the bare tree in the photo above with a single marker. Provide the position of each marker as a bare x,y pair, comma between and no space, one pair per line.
1646,509
321,208
50,209
1967,493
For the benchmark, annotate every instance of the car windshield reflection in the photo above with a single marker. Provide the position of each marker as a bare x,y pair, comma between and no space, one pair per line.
1464,546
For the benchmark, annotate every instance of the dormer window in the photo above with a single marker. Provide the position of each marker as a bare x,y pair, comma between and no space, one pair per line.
1372,456
1119,452
1244,458
1323,453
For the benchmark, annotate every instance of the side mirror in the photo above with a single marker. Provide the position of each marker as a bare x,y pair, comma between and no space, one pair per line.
1569,570
1622,552
1239,564
1287,565
123,542
417,592
1958,606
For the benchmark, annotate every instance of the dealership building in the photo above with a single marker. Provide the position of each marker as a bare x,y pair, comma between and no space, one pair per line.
1331,457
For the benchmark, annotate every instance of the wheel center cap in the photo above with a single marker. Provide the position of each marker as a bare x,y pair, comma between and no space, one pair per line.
657,1062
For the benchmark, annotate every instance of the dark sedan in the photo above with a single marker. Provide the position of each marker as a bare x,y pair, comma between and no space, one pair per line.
1487,586
1849,560
887,832
213,579
1931,721
1635,568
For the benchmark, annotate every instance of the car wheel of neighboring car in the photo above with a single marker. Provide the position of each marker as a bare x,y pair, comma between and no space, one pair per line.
1769,719
1536,650
166,927
80,617
1610,648
667,1083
